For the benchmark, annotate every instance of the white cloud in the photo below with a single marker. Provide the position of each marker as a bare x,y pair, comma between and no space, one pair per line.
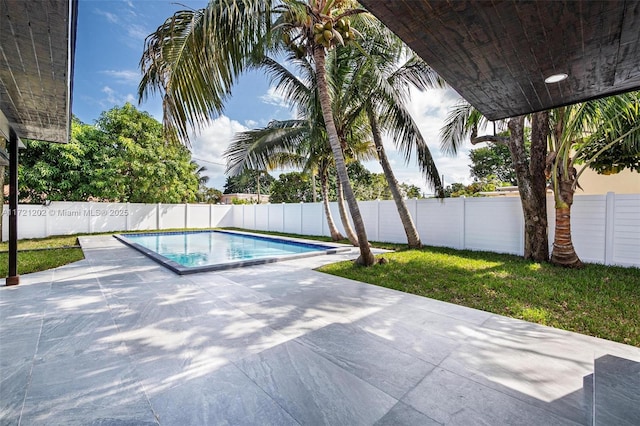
114,98
137,32
111,17
209,144
275,97
124,76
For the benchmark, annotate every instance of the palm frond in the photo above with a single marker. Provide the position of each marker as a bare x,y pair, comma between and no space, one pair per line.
255,149
191,61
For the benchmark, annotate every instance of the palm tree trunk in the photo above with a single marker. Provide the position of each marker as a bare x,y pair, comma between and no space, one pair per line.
333,229
314,196
366,256
413,239
344,217
563,253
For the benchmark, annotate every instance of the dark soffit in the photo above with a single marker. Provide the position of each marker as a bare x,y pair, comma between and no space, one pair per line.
496,54
37,44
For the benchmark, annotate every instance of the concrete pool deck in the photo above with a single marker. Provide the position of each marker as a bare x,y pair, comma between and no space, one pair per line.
116,339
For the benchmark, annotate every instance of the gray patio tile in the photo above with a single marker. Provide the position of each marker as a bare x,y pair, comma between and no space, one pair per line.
84,389
541,365
340,303
209,280
414,331
403,415
314,390
76,302
224,397
285,284
77,324
16,311
94,341
452,399
18,343
468,315
14,382
287,320
368,357
238,295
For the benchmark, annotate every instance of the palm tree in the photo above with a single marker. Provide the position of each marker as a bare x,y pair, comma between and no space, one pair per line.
195,57
387,81
603,123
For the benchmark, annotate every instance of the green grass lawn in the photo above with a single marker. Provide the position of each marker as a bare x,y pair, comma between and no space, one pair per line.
34,256
602,301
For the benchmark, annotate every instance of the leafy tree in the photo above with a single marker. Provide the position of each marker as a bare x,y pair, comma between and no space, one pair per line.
249,182
77,171
149,169
208,195
493,160
122,158
488,184
195,57
292,187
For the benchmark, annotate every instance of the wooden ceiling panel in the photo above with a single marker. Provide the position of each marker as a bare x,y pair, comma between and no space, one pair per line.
36,58
496,54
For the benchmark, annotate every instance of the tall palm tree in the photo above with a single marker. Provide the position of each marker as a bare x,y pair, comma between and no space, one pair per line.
195,57
388,72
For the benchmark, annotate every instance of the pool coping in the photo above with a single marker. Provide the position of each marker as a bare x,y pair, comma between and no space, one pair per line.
332,248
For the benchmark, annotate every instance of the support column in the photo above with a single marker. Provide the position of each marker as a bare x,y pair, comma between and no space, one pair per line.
13,278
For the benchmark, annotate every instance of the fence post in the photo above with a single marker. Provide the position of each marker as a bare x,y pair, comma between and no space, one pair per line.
210,215
158,218
186,215
463,231
378,219
283,215
301,217
128,217
46,221
609,236
90,217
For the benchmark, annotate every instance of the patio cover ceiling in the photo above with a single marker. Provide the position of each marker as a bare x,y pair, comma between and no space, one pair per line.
37,40
497,54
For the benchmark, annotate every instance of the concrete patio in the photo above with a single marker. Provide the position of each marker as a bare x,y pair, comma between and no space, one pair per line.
116,339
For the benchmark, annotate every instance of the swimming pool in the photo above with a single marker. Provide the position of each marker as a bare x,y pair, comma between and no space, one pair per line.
188,252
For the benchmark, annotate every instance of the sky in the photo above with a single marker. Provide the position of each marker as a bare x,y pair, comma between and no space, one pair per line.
110,41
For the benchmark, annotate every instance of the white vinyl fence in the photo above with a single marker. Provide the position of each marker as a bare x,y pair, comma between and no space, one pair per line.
605,228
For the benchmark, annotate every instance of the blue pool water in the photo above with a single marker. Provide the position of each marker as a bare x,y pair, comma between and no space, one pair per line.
190,251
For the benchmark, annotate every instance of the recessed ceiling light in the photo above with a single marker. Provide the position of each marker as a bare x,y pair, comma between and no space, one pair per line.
555,78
